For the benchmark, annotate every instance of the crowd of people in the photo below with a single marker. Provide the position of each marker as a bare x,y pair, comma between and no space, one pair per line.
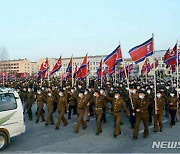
137,99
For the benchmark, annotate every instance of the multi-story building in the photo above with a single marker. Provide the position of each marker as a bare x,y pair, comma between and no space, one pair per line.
26,66
16,66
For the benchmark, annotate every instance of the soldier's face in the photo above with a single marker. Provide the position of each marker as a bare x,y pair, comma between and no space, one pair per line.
158,95
60,93
96,94
117,96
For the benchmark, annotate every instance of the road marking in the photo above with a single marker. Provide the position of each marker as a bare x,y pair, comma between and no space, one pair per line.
142,131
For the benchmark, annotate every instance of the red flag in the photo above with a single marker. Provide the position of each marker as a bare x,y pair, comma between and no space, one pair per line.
140,52
129,68
111,71
146,67
84,68
156,64
105,72
57,66
69,70
23,75
43,69
114,58
170,56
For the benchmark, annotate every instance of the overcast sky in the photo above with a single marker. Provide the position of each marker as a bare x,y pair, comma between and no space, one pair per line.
47,28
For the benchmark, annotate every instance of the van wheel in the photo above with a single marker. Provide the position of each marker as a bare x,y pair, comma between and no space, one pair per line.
3,140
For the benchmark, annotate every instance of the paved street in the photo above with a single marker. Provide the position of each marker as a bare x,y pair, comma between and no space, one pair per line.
39,138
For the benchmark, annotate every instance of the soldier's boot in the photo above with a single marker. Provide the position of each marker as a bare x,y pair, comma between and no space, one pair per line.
146,130
84,124
42,116
78,123
52,122
29,113
69,113
64,121
161,126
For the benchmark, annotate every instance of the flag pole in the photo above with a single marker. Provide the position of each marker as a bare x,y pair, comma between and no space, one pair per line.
48,72
61,79
171,76
177,70
155,100
41,82
146,72
72,73
127,79
115,75
87,79
101,71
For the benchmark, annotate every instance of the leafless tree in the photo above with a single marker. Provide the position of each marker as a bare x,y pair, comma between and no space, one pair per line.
4,60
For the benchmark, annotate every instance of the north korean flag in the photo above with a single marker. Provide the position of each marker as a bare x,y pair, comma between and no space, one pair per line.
122,73
75,72
170,56
69,70
105,72
43,69
84,68
57,66
129,68
140,52
156,64
114,58
146,67
111,71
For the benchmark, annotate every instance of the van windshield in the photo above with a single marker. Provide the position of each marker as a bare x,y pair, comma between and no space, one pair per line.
7,102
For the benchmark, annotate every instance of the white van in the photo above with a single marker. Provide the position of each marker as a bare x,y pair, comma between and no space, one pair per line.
11,116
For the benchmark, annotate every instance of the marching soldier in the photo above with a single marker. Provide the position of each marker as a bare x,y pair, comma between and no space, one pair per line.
55,94
62,106
134,97
45,94
87,97
24,96
91,111
117,106
72,103
40,104
31,99
81,105
104,107
141,110
158,115
173,103
50,108
99,102
150,96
